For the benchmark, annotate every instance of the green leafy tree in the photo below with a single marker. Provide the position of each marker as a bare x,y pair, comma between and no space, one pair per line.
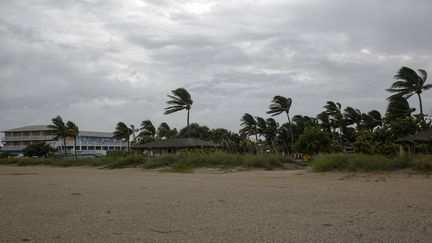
59,129
123,132
179,100
39,149
280,105
195,131
313,141
299,123
73,132
409,82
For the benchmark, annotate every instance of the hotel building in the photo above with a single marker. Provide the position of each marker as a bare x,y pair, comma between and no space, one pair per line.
87,143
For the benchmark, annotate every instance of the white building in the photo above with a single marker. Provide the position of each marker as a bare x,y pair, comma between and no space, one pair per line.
88,143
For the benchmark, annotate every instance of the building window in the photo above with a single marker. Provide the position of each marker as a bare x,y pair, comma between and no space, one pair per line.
83,147
91,147
98,147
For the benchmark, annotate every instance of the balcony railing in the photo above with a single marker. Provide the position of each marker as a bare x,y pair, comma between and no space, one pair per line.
27,138
12,148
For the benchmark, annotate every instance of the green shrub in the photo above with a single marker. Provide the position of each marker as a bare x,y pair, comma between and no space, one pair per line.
313,141
366,162
5,154
422,163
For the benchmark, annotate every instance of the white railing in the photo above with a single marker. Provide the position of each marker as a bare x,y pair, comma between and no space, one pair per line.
27,138
11,148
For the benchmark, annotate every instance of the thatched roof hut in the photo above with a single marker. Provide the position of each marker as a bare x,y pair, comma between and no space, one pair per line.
419,138
176,143
406,144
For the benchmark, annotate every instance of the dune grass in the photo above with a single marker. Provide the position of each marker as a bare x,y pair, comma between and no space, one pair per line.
185,162
365,162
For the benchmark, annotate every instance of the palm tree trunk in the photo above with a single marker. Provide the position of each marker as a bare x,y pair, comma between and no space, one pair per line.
291,132
64,143
421,105
188,111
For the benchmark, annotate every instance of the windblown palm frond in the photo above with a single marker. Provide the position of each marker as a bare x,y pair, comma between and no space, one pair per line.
279,105
180,100
122,131
59,129
73,131
249,125
147,129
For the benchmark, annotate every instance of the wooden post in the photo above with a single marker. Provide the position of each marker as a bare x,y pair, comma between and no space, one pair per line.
402,151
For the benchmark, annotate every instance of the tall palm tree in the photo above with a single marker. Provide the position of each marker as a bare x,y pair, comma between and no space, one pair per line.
122,131
249,125
59,129
73,132
179,100
409,82
279,105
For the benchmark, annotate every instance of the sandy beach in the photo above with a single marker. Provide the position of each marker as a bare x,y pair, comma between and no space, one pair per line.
48,204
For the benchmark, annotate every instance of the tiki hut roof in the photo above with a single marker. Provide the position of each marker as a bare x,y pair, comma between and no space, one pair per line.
177,143
423,137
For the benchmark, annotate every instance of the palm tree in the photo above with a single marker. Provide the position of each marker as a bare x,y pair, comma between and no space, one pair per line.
73,132
147,129
271,130
261,126
371,120
324,120
398,107
59,129
164,131
249,126
279,105
409,82
336,118
180,100
352,116
122,131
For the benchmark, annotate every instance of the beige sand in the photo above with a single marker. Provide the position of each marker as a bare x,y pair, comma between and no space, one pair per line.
46,204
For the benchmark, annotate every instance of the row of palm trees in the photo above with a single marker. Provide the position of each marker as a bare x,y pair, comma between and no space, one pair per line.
340,123
336,121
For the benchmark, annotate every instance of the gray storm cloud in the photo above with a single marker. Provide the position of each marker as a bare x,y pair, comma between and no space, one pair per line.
100,62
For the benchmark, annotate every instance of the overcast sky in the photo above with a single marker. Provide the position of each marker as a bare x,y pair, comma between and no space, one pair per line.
98,62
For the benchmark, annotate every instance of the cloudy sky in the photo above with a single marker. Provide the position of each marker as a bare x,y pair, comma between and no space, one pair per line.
97,62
